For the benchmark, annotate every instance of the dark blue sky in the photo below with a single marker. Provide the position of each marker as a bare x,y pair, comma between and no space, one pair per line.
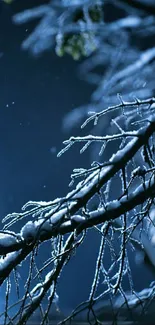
35,95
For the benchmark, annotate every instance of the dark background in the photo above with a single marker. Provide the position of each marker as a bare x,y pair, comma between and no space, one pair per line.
35,95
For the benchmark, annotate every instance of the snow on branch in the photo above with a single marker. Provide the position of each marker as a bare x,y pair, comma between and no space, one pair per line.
73,214
62,217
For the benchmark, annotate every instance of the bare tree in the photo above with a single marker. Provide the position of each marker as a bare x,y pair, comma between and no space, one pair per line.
126,124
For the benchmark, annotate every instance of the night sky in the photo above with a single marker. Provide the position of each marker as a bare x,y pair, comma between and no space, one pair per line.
35,95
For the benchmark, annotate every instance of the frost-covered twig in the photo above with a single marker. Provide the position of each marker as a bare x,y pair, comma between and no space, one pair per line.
62,215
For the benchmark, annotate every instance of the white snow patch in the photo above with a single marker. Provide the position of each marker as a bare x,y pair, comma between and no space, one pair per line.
7,240
10,257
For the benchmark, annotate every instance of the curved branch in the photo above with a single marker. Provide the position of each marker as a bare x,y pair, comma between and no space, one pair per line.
82,194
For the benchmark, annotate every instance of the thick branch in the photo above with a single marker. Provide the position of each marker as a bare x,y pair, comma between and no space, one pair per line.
80,196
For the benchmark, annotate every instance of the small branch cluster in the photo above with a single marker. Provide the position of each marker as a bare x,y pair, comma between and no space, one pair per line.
74,214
